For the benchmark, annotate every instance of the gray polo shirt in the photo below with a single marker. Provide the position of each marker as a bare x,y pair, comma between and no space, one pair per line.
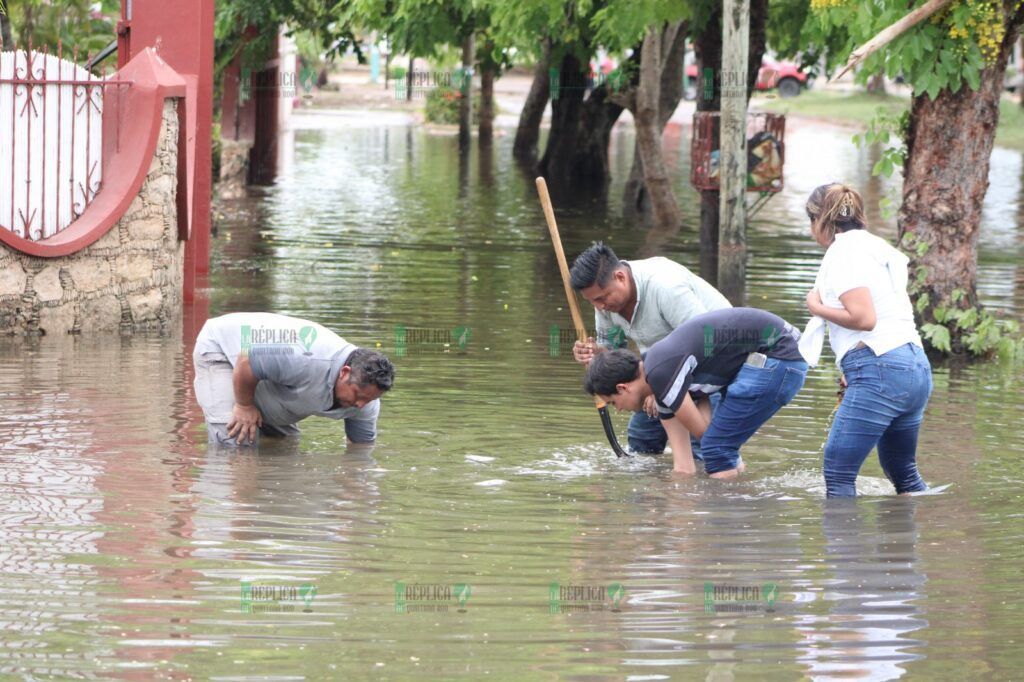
667,295
297,362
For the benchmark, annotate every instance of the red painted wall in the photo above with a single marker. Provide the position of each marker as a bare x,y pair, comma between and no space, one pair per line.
182,32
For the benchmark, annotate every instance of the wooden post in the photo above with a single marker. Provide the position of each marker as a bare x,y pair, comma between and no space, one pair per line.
732,244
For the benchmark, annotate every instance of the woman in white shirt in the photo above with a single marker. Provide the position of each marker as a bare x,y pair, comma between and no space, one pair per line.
861,292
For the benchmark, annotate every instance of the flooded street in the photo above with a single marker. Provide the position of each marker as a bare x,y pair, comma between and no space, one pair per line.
529,551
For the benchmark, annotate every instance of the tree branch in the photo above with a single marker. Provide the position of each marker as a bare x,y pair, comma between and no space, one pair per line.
889,34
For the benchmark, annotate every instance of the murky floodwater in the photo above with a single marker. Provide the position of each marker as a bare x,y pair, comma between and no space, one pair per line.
520,547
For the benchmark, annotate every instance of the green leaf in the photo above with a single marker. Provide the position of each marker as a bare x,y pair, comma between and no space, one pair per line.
972,76
938,336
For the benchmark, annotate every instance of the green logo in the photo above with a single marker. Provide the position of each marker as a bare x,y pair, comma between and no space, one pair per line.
400,336
246,339
740,599
461,335
616,336
263,598
307,76
246,598
709,83
585,598
307,335
462,591
770,336
307,593
770,593
709,341
430,597
554,341
399,597
616,592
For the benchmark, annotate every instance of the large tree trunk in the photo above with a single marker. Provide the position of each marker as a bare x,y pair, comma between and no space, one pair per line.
566,108
487,71
635,199
945,180
707,48
577,149
658,43
589,162
528,132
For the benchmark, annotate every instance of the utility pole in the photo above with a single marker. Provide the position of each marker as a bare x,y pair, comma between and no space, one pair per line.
732,240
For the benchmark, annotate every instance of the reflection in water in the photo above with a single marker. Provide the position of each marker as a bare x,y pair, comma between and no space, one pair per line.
873,595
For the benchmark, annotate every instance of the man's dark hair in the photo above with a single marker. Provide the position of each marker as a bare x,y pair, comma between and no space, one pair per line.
593,266
609,369
371,367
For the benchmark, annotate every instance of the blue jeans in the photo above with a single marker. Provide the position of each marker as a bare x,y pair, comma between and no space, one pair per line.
751,398
884,404
647,436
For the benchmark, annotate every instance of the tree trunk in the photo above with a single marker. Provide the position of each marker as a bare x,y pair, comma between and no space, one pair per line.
946,177
528,132
589,162
648,125
577,149
466,101
5,27
707,47
408,79
487,71
876,84
635,199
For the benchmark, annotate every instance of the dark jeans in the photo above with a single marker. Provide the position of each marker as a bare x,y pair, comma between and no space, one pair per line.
884,404
647,436
751,398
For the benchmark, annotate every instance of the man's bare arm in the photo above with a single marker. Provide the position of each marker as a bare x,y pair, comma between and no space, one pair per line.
245,417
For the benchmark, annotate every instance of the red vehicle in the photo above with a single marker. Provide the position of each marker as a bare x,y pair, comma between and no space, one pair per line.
785,76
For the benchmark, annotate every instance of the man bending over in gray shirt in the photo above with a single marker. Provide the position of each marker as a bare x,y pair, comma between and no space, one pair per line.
261,373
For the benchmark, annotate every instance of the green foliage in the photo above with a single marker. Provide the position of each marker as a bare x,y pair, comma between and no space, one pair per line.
889,130
72,23
247,29
955,326
442,106
948,51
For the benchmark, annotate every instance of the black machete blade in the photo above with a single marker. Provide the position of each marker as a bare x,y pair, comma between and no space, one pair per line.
609,430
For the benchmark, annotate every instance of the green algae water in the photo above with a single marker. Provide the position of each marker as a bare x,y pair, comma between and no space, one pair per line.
491,533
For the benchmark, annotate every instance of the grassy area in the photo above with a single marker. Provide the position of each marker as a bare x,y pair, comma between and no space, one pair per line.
836,106
1010,132
860,108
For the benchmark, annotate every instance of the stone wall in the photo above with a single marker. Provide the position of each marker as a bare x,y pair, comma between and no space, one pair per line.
129,279
234,169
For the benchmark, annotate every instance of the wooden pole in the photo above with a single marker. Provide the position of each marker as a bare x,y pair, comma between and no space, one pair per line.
732,244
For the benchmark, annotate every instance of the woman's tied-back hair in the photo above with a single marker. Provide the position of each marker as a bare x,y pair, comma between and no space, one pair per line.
835,208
